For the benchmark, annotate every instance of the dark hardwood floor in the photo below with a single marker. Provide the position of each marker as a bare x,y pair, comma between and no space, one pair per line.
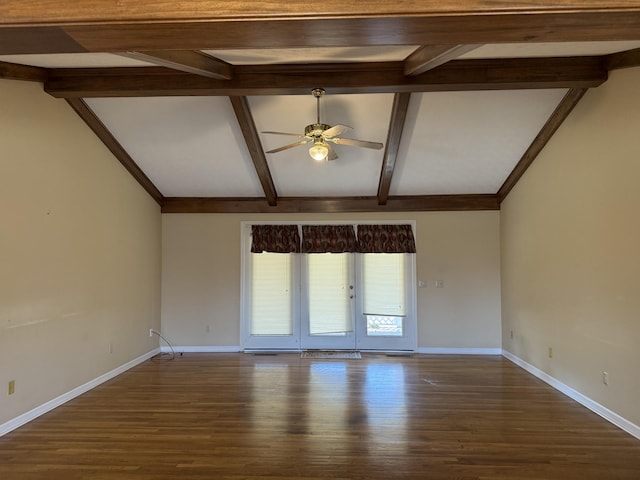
237,416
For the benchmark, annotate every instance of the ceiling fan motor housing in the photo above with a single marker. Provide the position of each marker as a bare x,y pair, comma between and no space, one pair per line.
315,130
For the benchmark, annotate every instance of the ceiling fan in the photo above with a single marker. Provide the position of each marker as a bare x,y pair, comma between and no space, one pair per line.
322,136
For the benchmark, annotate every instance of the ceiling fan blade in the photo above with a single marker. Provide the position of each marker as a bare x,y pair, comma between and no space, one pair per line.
336,130
356,143
284,133
291,145
332,155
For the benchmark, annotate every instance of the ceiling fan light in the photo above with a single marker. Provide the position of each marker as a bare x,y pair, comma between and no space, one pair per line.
319,151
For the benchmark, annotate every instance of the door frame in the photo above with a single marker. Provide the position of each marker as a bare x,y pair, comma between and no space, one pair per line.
250,343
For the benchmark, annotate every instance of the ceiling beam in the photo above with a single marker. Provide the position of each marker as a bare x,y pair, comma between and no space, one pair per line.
252,139
396,126
25,40
385,77
331,204
27,73
628,59
15,12
186,61
94,123
559,115
151,25
318,32
429,57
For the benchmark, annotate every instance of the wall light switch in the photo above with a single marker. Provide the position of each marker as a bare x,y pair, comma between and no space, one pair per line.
421,284
439,283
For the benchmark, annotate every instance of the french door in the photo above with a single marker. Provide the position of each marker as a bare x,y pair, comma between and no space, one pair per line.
338,301
328,301
386,303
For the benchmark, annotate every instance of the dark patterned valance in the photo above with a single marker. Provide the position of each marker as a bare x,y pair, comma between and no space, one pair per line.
275,239
386,239
328,239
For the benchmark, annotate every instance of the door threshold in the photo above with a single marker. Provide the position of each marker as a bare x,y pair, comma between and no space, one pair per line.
331,354
270,351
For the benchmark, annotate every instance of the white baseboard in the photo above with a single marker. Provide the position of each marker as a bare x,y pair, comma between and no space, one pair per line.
65,397
604,412
459,351
201,349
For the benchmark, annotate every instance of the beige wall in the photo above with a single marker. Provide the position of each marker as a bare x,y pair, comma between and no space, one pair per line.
201,276
80,246
570,251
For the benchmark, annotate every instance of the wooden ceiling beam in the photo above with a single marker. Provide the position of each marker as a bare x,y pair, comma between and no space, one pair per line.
13,12
252,139
559,115
628,59
188,61
27,73
331,204
387,77
151,25
320,32
429,57
26,40
396,126
94,123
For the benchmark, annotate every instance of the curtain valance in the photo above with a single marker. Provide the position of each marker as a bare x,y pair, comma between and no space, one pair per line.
275,239
328,239
333,239
386,239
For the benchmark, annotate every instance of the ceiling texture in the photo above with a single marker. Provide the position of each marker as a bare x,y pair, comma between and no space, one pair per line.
463,94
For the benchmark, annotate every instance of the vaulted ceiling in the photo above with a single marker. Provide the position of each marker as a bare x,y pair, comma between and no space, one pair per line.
463,94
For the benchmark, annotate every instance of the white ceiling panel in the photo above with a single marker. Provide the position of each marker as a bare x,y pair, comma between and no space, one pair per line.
74,60
328,54
187,146
566,49
314,55
468,142
356,171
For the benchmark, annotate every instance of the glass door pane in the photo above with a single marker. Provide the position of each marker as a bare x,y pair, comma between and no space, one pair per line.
272,305
385,315
328,320
272,296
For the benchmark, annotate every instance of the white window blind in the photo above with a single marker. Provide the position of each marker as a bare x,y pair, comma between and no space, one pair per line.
271,300
384,284
329,293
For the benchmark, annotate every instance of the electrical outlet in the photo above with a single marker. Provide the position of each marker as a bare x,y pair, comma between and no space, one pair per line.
151,332
439,283
110,347
550,352
12,387
605,378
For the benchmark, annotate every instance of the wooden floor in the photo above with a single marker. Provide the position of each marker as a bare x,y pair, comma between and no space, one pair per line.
237,416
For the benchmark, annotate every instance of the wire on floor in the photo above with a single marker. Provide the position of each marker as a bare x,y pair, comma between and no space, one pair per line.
164,356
